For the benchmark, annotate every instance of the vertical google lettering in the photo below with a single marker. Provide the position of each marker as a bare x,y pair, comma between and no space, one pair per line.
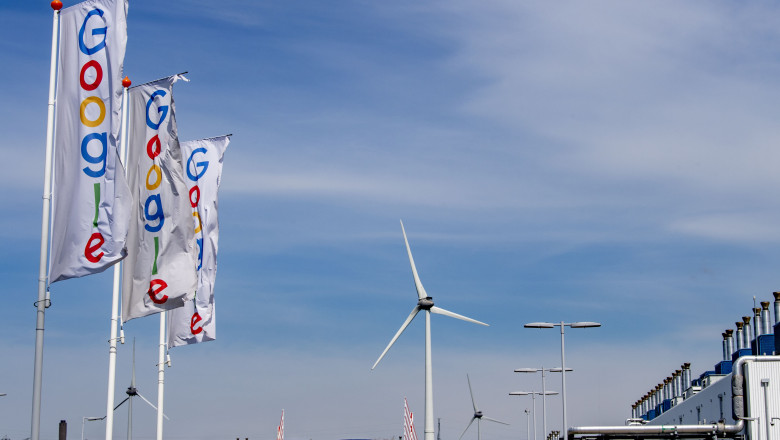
153,206
200,169
90,78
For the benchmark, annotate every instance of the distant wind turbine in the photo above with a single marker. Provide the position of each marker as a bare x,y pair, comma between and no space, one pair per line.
478,415
424,302
132,391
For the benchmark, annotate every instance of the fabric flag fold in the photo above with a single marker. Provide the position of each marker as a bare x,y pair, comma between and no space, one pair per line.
91,199
195,322
409,432
160,270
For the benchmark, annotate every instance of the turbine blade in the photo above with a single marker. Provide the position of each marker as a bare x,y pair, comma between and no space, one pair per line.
120,403
152,405
400,330
494,420
467,427
417,283
440,311
473,403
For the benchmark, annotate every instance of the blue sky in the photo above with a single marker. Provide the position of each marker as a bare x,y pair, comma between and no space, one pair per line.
602,161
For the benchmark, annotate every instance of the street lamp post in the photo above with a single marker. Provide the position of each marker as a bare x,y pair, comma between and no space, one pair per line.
544,388
91,419
533,395
562,325
528,424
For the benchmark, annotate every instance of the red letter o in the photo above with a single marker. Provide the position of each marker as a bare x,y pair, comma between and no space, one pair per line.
196,190
98,75
153,142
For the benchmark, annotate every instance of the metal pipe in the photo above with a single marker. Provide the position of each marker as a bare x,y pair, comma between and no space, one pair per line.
747,333
669,387
765,321
652,400
726,353
730,335
740,336
758,328
777,307
659,430
667,394
686,375
676,377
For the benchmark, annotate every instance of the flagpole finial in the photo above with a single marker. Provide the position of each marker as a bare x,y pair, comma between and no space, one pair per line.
56,5
126,82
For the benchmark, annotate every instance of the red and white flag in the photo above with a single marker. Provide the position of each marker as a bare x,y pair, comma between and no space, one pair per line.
280,429
160,271
91,199
195,322
409,432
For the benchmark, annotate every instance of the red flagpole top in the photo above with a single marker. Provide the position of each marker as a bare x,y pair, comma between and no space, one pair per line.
126,82
56,5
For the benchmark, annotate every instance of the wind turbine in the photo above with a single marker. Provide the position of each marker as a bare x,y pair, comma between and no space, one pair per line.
132,391
478,415
424,302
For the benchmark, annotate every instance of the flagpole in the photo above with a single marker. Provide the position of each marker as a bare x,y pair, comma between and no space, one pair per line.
43,302
115,290
161,376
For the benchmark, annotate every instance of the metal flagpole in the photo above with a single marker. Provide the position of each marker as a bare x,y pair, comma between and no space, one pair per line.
544,404
115,291
563,383
43,302
161,377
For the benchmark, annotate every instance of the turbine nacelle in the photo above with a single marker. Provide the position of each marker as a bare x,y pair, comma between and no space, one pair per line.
425,303
478,414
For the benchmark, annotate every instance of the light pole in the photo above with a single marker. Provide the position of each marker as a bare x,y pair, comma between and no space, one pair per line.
528,424
91,419
562,325
544,388
533,399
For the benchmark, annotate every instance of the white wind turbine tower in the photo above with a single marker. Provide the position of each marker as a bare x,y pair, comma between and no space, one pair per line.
424,302
132,391
478,415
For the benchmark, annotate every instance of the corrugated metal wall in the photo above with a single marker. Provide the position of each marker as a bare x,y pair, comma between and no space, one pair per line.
763,387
